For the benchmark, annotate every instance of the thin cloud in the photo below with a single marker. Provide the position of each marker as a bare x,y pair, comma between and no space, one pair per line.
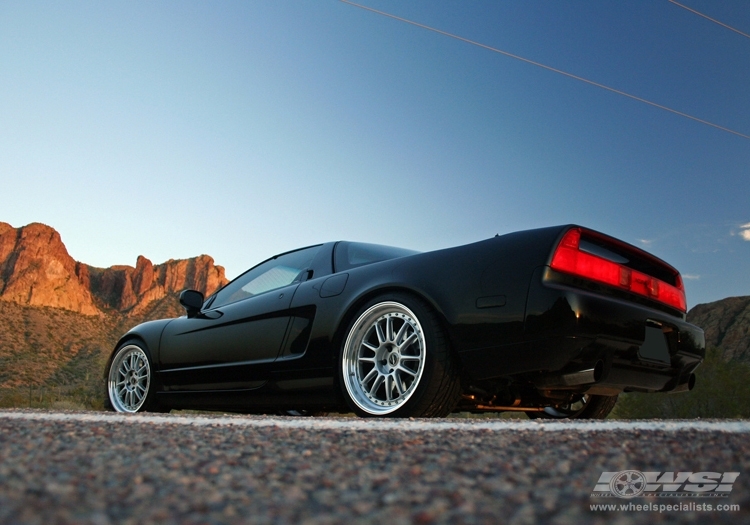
647,242
691,276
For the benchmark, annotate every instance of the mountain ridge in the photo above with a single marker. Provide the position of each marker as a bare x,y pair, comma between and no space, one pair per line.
726,323
37,270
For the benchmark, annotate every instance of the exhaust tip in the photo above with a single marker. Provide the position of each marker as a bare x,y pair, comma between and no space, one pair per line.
598,371
686,386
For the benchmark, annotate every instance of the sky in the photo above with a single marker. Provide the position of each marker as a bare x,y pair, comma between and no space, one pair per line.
244,129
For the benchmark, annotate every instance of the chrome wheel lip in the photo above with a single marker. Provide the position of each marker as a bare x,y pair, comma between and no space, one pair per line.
382,383
129,379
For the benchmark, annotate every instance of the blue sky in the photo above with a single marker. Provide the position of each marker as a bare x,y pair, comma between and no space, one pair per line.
243,129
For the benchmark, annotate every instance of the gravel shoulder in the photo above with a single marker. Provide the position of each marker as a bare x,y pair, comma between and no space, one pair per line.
97,468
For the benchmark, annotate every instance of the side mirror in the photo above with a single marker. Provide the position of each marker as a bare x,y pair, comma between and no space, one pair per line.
192,301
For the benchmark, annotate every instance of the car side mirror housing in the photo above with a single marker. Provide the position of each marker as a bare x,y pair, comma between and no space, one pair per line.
192,301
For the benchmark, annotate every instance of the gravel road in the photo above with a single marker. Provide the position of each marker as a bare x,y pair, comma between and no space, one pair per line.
89,467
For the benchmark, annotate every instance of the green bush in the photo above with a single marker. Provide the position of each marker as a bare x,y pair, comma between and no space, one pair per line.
722,390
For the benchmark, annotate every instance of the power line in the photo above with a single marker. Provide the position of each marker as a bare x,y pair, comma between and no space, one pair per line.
554,70
709,18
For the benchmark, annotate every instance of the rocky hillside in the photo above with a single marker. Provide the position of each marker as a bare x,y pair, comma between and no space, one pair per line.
60,318
727,326
36,270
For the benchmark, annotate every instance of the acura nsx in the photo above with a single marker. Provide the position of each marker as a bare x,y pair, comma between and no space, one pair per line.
555,322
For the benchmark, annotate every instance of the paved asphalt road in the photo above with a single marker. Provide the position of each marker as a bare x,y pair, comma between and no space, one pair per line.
98,468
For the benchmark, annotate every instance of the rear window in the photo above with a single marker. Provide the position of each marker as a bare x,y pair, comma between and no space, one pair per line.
350,255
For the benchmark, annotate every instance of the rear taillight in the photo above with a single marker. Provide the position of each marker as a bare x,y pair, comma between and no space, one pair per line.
570,259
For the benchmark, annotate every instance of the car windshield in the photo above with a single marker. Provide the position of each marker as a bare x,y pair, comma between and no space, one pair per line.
350,255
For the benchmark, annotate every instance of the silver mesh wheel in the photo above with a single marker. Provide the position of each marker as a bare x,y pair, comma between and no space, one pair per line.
383,358
129,379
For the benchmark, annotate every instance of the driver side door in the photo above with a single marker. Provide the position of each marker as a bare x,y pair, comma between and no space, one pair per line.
238,333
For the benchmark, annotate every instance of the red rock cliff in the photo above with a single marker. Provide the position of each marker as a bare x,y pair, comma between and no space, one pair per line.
36,270
129,289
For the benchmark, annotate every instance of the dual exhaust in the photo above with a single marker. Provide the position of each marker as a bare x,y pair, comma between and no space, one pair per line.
572,380
590,375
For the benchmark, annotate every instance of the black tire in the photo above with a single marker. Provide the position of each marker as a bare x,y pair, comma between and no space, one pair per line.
130,384
591,407
395,360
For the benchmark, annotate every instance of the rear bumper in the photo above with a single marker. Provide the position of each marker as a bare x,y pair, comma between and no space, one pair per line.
567,329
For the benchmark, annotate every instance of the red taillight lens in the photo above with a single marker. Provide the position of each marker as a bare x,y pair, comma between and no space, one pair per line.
570,259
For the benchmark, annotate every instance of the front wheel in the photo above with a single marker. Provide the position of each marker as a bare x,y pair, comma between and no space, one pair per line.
586,407
396,362
129,381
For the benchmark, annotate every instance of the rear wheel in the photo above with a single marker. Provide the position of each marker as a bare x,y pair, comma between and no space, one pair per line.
130,383
396,362
586,407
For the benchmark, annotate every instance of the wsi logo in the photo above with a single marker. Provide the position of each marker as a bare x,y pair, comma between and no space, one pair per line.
634,483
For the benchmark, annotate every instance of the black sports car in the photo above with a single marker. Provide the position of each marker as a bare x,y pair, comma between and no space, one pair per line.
555,322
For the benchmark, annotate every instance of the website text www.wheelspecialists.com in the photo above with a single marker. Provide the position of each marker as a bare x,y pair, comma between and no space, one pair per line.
664,507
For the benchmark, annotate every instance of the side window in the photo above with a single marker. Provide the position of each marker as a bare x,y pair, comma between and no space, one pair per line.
350,255
270,275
